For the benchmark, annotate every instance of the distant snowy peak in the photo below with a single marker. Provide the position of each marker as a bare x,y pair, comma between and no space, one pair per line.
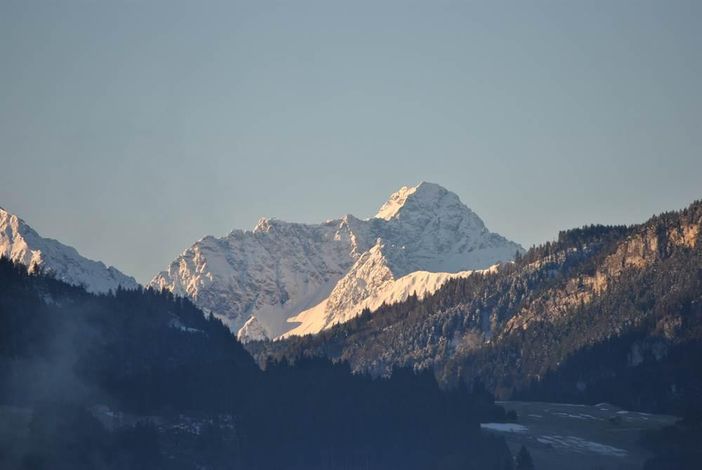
425,198
429,228
286,278
22,244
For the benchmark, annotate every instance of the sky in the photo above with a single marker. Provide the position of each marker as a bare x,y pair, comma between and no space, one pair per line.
131,129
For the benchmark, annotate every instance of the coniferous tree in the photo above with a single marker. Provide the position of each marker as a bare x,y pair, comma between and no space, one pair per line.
524,461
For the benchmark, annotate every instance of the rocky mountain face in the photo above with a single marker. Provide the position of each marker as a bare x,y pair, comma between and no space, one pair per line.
603,313
20,243
287,279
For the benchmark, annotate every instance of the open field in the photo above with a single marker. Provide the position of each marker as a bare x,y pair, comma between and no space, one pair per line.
598,437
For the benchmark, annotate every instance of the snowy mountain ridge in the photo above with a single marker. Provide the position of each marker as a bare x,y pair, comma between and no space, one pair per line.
286,278
22,244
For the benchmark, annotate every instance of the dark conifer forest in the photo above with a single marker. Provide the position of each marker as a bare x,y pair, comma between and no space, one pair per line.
140,379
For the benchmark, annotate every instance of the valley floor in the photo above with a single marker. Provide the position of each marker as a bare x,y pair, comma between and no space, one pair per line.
558,435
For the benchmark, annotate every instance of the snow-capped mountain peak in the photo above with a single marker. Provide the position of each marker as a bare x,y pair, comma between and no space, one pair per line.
289,278
22,244
423,198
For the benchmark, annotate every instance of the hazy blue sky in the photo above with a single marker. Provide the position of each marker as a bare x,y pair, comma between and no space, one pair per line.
130,129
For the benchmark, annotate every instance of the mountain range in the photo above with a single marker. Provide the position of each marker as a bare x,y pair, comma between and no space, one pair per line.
22,244
421,285
604,313
284,279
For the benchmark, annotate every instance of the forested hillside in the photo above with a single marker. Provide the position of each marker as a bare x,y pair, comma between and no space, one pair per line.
140,379
605,313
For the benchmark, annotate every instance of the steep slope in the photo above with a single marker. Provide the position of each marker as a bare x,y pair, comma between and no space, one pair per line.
369,284
288,279
20,243
594,312
274,272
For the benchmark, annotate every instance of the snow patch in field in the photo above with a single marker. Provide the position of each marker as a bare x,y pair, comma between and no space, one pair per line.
504,427
581,445
578,416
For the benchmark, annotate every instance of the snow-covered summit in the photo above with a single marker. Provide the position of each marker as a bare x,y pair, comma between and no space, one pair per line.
429,228
290,278
22,244
425,196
